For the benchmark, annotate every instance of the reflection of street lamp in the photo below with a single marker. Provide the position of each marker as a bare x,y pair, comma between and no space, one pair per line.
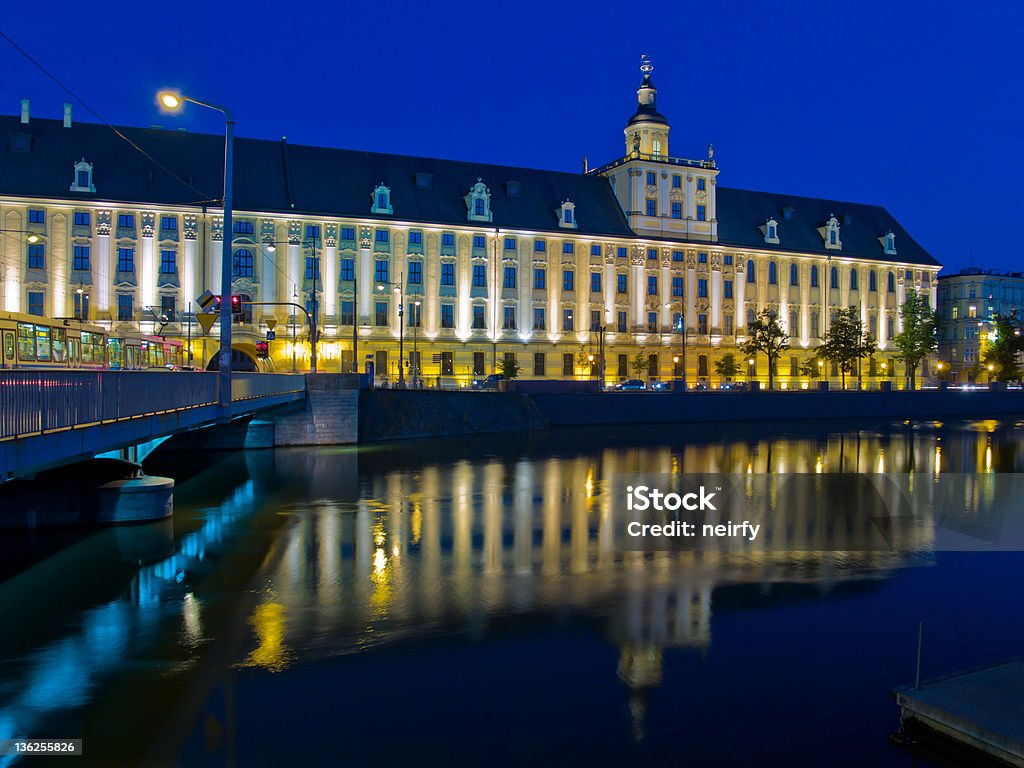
173,101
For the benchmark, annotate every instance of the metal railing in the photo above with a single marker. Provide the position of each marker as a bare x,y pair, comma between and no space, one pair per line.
247,387
36,402
664,159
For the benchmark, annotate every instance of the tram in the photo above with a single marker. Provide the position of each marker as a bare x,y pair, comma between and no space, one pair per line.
40,343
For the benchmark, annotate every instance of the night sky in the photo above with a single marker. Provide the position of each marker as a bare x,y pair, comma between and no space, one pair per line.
914,106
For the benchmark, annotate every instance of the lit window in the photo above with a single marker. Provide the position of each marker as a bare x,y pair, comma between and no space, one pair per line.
35,303
80,258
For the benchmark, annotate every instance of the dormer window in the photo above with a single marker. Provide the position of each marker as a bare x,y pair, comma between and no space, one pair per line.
889,243
82,181
771,231
478,202
567,215
381,200
830,232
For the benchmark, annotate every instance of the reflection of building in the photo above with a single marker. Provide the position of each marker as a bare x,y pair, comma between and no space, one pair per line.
967,301
493,260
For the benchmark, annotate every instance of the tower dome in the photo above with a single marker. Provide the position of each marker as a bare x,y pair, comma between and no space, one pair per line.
647,130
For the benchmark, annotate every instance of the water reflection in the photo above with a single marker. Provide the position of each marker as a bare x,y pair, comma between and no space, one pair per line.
308,555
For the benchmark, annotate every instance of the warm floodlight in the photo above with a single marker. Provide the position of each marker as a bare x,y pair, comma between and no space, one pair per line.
169,99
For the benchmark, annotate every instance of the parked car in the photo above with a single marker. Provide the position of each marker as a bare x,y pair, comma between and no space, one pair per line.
488,382
661,386
734,386
633,385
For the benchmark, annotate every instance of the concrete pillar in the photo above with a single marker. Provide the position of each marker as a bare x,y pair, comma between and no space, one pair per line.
739,290
329,270
147,271
609,289
716,298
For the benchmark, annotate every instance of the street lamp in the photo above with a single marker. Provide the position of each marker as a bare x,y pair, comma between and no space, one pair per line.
172,101
314,319
399,288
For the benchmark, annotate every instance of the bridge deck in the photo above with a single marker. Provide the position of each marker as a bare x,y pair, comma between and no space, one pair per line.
47,418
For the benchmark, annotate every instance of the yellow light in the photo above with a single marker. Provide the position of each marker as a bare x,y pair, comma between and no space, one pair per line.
169,99
940,366
590,358
821,364
991,367
750,361
33,238
675,358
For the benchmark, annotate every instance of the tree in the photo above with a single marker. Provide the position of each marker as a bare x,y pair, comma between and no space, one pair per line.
767,336
727,367
810,368
1005,343
846,342
510,367
639,365
919,337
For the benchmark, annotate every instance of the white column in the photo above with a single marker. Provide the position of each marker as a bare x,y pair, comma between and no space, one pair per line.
294,270
609,290
187,267
525,319
330,279
665,293
147,277
101,264
901,296
691,293
637,279
933,295
13,258
716,298
739,288
364,269
432,275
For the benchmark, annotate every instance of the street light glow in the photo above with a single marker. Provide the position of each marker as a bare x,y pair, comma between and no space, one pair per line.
169,99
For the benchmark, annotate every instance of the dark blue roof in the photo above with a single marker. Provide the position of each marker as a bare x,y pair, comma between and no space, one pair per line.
276,177
741,214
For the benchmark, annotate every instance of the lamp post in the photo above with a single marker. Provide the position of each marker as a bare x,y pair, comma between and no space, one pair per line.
312,319
172,102
399,288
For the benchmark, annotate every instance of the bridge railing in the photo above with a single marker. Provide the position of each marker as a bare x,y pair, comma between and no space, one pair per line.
43,401
33,402
249,386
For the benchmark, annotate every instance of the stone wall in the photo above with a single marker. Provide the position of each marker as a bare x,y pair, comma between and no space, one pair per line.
725,407
330,415
394,414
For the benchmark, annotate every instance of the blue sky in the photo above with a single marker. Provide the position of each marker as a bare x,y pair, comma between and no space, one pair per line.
914,106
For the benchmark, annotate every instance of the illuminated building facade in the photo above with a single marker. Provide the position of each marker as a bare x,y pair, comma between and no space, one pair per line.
648,251
968,299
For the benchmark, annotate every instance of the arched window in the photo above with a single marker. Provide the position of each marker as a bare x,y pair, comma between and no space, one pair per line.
751,274
872,281
834,278
794,275
82,180
381,200
814,276
772,277
892,283
243,263
853,279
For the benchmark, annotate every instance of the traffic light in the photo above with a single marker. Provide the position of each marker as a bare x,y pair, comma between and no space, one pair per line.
236,305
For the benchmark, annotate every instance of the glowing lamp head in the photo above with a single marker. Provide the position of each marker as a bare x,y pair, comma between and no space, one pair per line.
991,367
821,364
271,247
939,366
675,358
33,238
750,361
590,358
169,100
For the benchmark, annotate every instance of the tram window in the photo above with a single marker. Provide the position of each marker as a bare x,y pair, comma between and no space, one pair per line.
42,344
26,342
60,345
92,348
8,345
76,352
115,351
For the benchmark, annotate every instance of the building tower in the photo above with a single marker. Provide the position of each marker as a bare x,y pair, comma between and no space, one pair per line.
647,130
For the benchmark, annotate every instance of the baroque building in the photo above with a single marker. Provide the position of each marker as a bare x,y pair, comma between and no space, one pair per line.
968,301
647,253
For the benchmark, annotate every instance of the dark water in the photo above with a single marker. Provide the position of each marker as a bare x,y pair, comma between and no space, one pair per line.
462,602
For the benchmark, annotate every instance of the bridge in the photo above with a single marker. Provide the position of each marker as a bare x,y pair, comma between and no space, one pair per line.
49,418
